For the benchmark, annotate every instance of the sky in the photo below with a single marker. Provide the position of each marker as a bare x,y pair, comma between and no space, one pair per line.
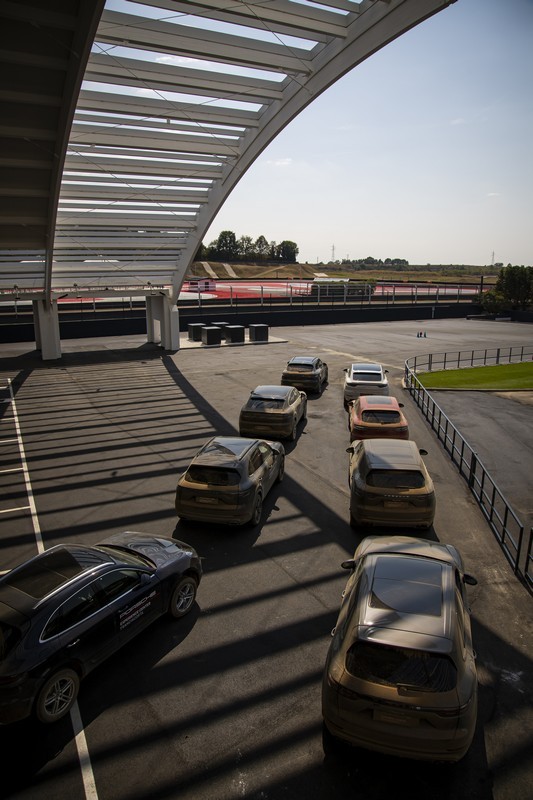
423,152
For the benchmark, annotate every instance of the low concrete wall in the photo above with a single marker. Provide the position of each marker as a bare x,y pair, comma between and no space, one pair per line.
132,323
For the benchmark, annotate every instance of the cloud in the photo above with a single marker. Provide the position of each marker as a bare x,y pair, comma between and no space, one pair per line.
281,162
458,121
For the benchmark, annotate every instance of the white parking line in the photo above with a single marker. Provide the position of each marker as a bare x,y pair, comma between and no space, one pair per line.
81,742
29,490
15,508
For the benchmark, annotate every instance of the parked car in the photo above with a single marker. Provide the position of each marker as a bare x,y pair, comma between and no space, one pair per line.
360,379
308,373
389,484
273,411
400,674
63,612
228,480
374,417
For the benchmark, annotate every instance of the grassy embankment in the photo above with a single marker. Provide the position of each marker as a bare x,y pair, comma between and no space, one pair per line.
500,377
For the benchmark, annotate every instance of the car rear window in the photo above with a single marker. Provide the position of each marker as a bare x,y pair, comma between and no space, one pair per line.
263,403
381,417
398,666
395,479
367,376
301,367
213,476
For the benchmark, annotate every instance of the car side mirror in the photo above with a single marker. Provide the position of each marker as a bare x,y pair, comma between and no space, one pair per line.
350,564
346,369
350,449
386,371
423,452
469,579
401,405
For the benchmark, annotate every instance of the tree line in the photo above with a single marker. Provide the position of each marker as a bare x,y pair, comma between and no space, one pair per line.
512,290
226,247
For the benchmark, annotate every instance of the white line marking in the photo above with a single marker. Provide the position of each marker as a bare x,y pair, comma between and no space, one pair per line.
11,469
81,742
16,508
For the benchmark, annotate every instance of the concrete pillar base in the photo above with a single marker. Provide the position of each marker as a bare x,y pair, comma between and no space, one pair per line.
46,324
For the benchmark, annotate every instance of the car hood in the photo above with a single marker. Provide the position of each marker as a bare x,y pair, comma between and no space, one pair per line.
158,549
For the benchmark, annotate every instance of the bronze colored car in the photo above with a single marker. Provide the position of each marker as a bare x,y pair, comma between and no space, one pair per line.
389,484
400,675
228,480
273,411
308,373
375,417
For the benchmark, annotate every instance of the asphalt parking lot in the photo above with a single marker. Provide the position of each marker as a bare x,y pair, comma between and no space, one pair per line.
226,702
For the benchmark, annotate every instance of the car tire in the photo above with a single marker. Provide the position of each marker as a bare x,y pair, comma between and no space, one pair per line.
353,522
57,696
330,743
183,596
304,412
292,435
258,510
281,471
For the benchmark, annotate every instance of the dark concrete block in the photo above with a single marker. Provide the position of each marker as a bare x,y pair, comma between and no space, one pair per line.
211,335
234,334
258,333
195,331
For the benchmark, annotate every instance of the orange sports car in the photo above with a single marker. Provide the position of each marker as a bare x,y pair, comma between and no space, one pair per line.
375,417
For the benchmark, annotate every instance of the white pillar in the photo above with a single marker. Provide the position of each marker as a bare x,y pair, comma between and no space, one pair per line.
46,325
162,321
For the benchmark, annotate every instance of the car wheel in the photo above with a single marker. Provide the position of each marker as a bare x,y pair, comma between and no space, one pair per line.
292,435
353,522
258,510
304,412
57,696
183,596
281,471
330,744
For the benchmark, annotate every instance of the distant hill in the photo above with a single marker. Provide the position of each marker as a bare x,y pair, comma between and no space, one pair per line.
451,273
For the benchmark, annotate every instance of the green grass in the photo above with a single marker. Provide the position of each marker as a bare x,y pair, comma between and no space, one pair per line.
503,377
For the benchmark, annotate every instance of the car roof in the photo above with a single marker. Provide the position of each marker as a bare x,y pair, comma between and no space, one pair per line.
378,401
26,587
302,360
224,451
408,602
271,392
391,454
360,367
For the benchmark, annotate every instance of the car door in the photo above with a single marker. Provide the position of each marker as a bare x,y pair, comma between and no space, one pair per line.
101,617
296,404
269,466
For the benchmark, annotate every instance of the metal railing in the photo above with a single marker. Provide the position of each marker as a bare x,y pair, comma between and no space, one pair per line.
504,523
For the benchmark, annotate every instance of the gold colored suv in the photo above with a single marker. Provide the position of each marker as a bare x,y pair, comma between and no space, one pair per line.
400,675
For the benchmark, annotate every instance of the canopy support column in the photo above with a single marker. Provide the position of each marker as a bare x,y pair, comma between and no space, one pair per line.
46,324
162,322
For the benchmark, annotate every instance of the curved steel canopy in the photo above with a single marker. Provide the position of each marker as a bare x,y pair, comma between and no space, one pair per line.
178,100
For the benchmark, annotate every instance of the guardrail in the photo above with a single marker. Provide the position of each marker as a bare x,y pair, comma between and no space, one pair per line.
503,521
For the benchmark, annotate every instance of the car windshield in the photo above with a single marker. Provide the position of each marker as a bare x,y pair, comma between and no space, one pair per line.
402,667
213,476
382,417
262,403
395,479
